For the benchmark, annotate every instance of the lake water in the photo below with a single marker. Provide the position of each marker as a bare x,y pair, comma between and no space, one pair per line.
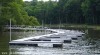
87,45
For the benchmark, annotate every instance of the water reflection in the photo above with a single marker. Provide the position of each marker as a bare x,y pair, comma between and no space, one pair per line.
87,45
75,50
93,37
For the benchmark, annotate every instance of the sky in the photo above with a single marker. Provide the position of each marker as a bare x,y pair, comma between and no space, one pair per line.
27,0
38,0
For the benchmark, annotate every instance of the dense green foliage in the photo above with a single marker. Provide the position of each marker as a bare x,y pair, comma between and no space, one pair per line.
91,11
13,9
65,11
41,10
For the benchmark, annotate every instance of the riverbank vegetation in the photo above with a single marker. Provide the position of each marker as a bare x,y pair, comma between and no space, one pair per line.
65,11
74,26
13,9
51,12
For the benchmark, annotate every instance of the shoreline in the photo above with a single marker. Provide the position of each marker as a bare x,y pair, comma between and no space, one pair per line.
83,26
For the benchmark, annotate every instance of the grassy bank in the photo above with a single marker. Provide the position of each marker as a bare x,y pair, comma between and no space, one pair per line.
96,27
83,26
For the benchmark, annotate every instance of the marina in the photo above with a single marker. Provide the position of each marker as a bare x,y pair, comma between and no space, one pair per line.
56,38
81,46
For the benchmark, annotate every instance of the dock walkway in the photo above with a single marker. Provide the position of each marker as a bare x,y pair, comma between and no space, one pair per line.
55,39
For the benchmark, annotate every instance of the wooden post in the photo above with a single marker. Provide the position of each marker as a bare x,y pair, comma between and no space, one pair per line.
10,29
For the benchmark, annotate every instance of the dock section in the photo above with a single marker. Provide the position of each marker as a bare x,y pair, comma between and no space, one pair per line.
55,39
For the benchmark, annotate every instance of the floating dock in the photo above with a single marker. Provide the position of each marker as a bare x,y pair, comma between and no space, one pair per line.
55,39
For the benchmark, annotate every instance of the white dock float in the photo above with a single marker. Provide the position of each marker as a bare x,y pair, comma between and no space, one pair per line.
27,41
55,39
38,43
64,40
73,37
29,38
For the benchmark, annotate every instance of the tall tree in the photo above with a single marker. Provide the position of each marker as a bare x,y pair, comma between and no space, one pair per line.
65,11
13,9
91,10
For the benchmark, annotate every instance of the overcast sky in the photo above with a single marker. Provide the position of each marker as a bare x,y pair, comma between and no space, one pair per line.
27,0
31,0
38,0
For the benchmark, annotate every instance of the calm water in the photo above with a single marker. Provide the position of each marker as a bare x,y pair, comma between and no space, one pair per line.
87,45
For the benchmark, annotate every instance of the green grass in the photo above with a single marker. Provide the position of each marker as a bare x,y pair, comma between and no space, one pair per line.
97,27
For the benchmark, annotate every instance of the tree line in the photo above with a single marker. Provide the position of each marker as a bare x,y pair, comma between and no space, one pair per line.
14,10
65,11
